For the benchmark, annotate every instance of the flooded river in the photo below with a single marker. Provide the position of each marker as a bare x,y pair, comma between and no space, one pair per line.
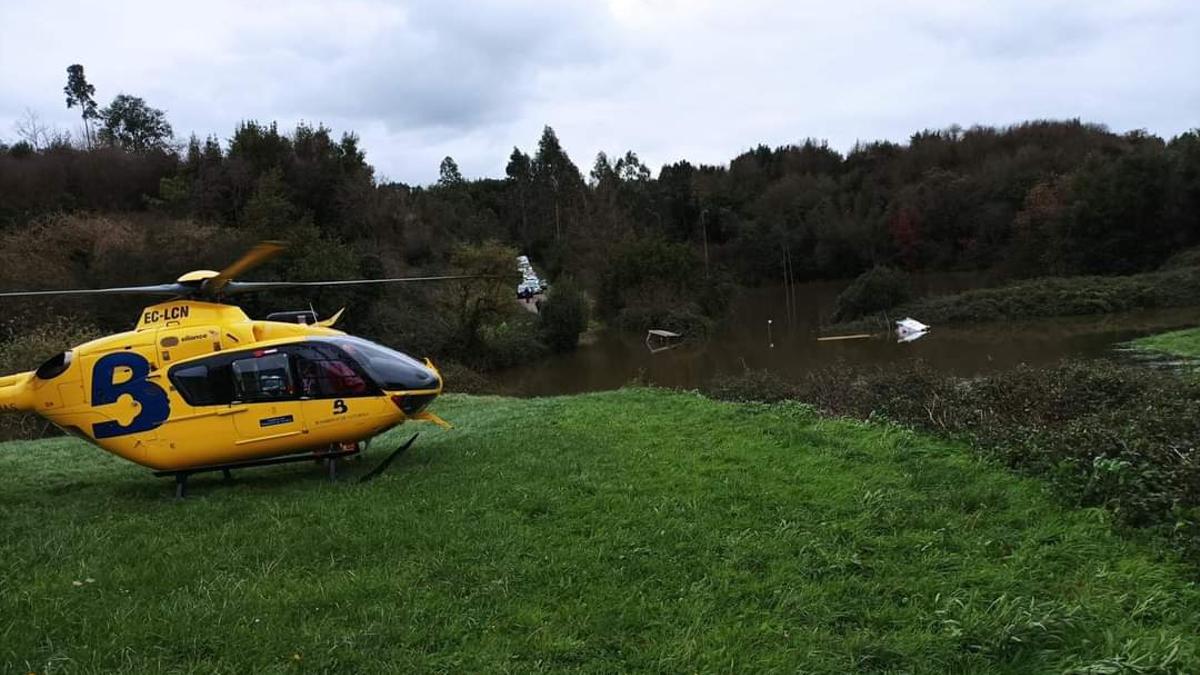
789,345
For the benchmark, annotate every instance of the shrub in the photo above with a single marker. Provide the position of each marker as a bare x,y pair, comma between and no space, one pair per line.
1189,257
563,316
877,289
459,379
485,300
96,251
1055,296
509,343
647,268
752,385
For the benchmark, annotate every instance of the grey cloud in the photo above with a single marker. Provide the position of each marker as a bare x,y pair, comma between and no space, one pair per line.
670,79
1024,30
450,68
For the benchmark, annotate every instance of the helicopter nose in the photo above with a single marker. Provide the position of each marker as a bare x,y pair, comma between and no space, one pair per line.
404,373
418,378
415,377
425,382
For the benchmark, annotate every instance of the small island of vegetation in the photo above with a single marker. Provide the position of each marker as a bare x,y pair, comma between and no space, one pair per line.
1184,343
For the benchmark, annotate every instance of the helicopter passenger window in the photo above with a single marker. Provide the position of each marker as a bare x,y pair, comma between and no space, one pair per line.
193,384
206,383
265,378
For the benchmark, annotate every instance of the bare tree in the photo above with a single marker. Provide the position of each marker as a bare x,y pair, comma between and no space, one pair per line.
58,138
32,130
39,135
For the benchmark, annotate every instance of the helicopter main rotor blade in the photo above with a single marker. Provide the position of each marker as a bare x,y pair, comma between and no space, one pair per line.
159,289
251,286
262,252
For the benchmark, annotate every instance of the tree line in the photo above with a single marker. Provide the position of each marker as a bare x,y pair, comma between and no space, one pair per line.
1038,198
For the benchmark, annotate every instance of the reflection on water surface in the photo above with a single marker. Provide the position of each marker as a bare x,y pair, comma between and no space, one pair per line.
741,341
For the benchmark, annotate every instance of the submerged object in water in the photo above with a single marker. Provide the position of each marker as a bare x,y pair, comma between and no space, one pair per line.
658,340
909,329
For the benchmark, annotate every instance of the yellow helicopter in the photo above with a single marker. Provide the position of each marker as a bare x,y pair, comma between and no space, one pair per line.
198,386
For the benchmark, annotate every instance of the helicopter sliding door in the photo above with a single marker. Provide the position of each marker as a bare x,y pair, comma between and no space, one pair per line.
233,406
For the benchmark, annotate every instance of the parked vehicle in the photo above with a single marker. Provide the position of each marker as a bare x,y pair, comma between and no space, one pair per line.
531,284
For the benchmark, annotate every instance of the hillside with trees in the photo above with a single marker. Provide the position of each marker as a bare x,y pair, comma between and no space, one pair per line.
127,202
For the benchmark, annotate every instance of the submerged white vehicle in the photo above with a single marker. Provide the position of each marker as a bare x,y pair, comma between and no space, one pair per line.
909,329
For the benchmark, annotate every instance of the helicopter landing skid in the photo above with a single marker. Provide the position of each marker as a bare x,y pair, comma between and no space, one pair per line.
374,473
181,476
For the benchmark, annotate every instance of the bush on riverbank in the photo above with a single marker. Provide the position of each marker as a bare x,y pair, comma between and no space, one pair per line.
508,344
563,316
1054,296
1118,436
460,379
1189,257
876,290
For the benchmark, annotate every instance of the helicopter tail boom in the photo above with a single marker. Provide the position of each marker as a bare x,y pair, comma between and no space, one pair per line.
16,392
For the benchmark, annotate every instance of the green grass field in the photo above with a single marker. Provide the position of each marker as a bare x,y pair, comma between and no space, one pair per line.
1177,343
637,530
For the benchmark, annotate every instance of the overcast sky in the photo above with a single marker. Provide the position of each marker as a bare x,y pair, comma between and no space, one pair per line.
669,79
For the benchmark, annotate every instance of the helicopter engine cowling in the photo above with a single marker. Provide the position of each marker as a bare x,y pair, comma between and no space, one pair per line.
305,317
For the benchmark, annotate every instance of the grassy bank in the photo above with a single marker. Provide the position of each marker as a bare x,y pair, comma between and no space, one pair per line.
1052,296
1101,433
632,530
1184,343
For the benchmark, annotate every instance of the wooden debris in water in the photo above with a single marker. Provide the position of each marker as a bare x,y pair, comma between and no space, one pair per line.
856,336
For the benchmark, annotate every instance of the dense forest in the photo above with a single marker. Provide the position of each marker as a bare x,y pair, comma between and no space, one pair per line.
125,202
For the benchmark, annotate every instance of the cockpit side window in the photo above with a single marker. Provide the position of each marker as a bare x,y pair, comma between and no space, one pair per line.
323,371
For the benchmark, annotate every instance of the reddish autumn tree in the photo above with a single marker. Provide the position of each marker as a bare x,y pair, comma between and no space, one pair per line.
1039,238
904,228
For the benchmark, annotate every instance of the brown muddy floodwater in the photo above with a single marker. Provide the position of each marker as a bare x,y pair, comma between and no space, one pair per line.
741,341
